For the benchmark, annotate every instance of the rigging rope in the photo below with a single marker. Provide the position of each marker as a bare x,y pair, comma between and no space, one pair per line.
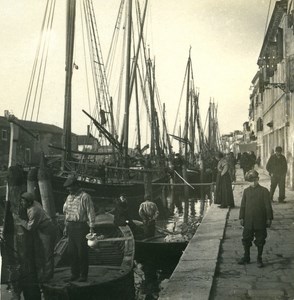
46,58
177,114
31,83
40,63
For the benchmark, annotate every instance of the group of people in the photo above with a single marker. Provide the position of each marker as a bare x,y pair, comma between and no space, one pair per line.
79,215
256,213
79,220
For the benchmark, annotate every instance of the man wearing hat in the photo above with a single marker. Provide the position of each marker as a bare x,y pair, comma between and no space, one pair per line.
120,211
255,216
44,231
79,216
148,211
277,168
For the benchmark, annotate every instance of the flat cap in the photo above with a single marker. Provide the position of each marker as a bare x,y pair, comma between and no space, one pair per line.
28,196
71,180
279,149
251,175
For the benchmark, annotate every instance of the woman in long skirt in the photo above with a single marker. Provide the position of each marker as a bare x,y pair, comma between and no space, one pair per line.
224,193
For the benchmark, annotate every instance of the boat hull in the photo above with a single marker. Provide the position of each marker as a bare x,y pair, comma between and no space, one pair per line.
110,267
104,194
160,247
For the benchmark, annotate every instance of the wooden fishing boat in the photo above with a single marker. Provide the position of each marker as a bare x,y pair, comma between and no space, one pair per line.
104,194
165,245
110,267
110,167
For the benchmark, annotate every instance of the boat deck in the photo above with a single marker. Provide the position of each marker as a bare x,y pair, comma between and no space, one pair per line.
97,275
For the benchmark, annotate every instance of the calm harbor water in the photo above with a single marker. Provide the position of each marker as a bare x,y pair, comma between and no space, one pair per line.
153,270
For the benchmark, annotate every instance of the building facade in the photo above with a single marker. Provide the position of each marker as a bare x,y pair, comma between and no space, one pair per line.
271,109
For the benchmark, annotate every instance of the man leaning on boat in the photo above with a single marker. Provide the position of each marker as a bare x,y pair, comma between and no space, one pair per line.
79,216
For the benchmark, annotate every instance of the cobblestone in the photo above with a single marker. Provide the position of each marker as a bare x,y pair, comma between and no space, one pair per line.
274,281
231,281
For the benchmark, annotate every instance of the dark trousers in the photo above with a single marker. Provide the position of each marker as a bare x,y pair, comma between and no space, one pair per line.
280,181
45,264
249,234
78,248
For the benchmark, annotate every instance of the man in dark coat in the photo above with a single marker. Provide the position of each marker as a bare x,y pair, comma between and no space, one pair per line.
255,216
44,232
277,168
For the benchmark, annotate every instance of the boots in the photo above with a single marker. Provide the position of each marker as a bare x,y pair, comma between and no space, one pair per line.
246,258
259,257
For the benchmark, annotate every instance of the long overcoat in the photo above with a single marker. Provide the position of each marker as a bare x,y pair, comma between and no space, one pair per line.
256,207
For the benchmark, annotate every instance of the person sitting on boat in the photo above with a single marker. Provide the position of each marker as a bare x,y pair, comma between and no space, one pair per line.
148,211
121,213
78,210
44,235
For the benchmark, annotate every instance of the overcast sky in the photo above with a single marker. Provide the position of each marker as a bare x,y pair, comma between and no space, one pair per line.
225,36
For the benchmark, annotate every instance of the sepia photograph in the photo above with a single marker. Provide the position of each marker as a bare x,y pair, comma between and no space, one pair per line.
146,150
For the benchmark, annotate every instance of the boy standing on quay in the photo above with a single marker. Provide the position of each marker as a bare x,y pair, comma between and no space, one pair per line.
255,216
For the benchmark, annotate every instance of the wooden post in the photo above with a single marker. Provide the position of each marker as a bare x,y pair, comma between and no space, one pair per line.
14,135
16,251
201,177
148,177
171,204
46,190
32,184
185,176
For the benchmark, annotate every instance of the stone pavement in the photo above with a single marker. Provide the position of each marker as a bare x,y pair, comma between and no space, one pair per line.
276,279
208,268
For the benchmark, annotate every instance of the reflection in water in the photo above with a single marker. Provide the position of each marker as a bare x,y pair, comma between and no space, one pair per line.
153,269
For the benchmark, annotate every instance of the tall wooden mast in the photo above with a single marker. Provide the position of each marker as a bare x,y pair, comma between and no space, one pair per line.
70,32
186,131
127,88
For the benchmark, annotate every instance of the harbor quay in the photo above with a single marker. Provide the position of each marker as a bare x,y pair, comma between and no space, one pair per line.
209,269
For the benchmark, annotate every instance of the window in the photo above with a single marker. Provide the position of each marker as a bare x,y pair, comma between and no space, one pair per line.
28,155
4,135
280,44
259,124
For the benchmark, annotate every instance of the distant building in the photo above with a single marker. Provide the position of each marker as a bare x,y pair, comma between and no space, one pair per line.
230,142
87,142
29,148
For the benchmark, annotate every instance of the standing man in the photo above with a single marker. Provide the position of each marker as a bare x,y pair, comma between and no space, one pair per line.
148,211
277,168
44,235
79,211
255,216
